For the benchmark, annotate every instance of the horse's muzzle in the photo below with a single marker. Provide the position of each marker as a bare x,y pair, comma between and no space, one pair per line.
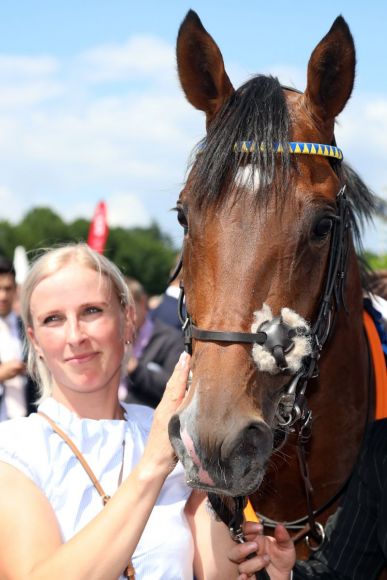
232,465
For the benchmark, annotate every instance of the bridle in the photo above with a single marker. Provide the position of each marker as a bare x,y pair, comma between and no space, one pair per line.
293,413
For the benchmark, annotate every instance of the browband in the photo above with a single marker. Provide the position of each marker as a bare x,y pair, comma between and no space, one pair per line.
298,147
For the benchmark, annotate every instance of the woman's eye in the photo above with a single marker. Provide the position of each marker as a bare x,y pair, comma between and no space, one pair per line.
323,228
51,318
93,310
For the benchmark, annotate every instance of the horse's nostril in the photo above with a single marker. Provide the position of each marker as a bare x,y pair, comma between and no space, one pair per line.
258,438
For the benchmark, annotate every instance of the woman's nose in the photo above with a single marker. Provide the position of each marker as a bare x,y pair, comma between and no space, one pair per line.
74,332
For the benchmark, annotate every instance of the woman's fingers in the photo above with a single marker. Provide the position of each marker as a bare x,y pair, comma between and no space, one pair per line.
252,529
240,552
282,536
177,384
249,567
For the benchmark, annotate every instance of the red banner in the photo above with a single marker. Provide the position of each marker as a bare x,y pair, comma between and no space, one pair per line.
99,229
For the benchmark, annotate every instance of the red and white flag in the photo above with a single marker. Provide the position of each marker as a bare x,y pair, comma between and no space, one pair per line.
99,229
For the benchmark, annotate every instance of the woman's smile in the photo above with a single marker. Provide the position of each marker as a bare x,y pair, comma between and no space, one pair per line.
79,359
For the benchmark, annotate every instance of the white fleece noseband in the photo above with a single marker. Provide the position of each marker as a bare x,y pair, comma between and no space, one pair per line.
263,358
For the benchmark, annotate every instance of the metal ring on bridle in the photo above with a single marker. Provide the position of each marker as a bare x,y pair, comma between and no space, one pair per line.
318,543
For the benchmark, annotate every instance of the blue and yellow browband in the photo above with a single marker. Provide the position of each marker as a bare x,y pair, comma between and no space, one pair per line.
299,147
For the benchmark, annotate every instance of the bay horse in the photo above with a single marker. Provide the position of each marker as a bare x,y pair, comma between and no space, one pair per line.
272,283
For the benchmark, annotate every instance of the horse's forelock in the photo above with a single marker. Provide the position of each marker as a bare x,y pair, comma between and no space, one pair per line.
256,112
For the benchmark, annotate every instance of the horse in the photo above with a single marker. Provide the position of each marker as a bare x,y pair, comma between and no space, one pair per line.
273,285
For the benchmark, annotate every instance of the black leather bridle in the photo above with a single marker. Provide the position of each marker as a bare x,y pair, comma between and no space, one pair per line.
293,413
293,407
278,337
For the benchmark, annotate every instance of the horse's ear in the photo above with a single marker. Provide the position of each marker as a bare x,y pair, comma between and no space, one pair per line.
201,68
331,72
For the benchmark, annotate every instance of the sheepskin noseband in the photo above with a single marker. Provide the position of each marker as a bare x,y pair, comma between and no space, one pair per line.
288,341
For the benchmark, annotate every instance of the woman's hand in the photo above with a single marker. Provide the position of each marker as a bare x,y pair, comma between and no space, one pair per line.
276,554
159,447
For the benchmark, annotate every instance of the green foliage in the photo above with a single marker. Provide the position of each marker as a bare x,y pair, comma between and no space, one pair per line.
376,262
142,253
8,239
146,254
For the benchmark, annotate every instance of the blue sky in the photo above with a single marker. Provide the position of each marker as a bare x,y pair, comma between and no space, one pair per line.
90,106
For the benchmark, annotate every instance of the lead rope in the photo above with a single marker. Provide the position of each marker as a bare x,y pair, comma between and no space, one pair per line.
234,521
129,571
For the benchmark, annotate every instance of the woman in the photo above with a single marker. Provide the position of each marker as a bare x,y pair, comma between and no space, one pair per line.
79,320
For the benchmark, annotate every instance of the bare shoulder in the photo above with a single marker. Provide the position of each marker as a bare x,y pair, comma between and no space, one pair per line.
29,531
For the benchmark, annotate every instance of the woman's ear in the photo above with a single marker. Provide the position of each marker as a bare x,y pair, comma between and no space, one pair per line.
34,342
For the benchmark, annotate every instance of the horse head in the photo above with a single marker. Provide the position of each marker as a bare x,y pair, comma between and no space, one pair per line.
259,220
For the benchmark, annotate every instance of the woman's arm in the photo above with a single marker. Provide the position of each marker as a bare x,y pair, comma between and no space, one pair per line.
30,543
212,542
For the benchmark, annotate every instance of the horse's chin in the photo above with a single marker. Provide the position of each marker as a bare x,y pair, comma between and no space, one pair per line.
230,486
233,491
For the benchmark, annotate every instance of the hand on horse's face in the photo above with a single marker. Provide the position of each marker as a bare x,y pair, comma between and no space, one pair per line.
159,447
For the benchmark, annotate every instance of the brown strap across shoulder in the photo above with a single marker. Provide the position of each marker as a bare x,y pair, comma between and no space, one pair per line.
129,571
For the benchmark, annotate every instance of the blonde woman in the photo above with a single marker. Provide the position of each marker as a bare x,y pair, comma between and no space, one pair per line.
58,520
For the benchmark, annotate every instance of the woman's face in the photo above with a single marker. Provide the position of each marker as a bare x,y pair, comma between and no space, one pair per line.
80,329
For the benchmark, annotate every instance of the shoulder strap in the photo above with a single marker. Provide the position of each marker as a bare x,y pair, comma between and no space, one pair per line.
78,455
129,571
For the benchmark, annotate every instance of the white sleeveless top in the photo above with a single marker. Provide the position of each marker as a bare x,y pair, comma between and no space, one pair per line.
165,550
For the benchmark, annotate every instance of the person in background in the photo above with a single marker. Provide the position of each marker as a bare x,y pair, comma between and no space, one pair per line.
17,391
167,309
155,351
135,510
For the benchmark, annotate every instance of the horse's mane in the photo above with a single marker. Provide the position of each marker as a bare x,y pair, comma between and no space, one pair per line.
257,112
361,206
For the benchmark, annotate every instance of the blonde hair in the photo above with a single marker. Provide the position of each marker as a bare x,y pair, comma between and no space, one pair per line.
49,262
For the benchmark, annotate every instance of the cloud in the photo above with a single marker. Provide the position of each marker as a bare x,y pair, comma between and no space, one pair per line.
12,67
70,135
139,57
362,134
123,210
127,210
26,81
11,205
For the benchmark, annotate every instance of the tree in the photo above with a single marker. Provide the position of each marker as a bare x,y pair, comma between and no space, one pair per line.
41,227
142,253
146,254
8,239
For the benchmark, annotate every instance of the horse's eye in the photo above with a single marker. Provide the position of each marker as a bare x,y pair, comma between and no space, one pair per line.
323,228
182,218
